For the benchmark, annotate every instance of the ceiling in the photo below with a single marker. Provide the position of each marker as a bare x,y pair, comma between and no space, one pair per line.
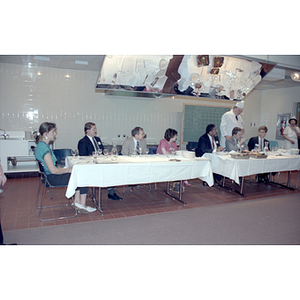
94,63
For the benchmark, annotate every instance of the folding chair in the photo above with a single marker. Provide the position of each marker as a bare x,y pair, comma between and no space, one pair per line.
46,185
61,154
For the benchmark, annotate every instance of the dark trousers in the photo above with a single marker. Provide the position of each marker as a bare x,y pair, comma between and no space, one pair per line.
63,179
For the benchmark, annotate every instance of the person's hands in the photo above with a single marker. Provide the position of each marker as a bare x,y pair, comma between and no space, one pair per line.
243,140
220,148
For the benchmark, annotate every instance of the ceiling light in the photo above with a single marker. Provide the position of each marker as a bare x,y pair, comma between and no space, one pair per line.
81,62
42,58
295,76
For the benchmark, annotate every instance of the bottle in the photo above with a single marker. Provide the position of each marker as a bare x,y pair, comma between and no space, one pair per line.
114,152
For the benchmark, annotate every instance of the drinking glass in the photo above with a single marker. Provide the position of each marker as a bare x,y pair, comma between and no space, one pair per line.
99,152
172,151
140,150
74,152
147,151
256,148
105,152
95,154
134,153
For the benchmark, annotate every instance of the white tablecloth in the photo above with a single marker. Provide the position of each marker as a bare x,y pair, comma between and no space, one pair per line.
234,168
135,170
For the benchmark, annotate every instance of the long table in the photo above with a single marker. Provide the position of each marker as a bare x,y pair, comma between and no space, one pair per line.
235,169
128,170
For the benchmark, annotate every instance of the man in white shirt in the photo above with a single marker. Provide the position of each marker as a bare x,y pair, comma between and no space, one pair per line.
230,120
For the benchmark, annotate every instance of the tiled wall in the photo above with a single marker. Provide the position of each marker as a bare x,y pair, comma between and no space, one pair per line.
31,95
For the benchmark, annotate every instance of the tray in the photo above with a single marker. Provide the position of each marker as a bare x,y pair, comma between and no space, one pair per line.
263,156
239,156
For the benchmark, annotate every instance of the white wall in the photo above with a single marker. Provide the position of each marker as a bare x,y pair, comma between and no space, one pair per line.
71,102
274,102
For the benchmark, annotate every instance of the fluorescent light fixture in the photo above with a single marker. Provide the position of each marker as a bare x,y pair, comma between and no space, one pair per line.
81,62
42,58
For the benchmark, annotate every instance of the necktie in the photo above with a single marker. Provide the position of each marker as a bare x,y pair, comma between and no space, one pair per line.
237,118
260,146
213,142
137,145
96,146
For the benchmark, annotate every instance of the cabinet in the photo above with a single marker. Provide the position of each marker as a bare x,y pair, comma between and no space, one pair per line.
15,157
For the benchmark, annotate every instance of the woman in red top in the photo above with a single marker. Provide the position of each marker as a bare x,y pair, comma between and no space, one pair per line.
168,144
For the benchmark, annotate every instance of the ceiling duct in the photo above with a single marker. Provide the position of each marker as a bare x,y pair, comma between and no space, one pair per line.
275,75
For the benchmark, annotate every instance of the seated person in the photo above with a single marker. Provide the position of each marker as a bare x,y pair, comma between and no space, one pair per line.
259,140
168,144
237,142
209,143
43,153
135,142
90,143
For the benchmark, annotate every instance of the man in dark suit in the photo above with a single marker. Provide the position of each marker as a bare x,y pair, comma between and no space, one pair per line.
209,143
261,142
90,143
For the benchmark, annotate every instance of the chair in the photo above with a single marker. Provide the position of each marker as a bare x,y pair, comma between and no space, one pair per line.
46,185
61,154
273,144
191,146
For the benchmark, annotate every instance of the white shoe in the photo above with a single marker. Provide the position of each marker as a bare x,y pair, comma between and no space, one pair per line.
90,209
84,210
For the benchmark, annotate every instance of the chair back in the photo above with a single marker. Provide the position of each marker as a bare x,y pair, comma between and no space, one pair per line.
43,174
61,155
273,144
191,146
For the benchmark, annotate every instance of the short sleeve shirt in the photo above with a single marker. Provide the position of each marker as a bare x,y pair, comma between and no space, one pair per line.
165,144
40,151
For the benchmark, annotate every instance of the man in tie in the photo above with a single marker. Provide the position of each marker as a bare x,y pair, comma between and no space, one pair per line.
231,119
90,143
135,142
209,143
261,141
237,142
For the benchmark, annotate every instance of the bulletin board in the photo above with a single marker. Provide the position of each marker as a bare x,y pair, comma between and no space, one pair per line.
197,117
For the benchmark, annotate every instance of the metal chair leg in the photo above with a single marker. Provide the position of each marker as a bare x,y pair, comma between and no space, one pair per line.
41,207
298,179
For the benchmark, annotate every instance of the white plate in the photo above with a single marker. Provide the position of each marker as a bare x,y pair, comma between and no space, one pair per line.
222,153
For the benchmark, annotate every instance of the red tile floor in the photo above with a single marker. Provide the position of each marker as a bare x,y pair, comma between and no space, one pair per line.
18,211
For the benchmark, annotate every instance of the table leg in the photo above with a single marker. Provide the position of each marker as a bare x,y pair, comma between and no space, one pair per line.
288,182
99,204
167,191
242,179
